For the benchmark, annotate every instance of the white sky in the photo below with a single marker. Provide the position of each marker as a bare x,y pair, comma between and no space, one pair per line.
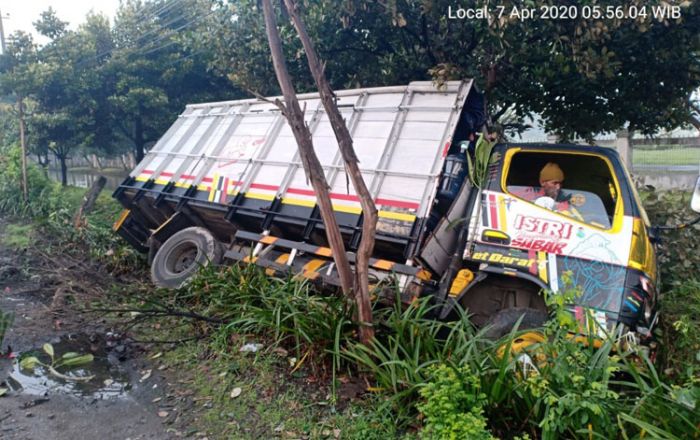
23,12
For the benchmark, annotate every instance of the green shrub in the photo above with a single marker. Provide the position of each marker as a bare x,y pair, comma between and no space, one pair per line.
453,405
679,249
39,187
568,390
680,347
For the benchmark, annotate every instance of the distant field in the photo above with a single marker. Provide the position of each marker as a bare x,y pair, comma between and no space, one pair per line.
671,156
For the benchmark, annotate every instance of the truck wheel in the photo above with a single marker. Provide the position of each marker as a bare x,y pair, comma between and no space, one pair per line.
503,322
182,254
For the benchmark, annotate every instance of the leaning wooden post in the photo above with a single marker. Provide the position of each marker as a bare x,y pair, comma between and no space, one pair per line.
89,201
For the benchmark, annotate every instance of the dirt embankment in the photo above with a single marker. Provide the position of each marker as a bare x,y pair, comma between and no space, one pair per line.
46,292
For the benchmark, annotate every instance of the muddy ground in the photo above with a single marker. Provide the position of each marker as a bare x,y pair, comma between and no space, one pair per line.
128,397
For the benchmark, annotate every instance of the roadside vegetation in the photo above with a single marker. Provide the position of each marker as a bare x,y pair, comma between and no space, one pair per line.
268,357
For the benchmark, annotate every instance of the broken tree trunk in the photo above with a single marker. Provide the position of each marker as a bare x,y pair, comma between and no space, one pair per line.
345,144
89,201
312,166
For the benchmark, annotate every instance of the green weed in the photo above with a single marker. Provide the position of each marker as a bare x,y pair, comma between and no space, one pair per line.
559,388
680,348
453,405
6,320
18,236
409,342
678,249
283,311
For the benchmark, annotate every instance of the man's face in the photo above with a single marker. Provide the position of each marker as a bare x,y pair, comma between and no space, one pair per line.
551,188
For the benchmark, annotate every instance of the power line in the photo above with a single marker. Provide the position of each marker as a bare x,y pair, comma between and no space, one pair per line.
152,46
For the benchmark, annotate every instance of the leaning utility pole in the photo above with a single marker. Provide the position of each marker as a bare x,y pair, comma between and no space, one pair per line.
23,146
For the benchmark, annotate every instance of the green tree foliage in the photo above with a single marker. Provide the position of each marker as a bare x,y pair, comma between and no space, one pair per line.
103,89
66,87
582,75
155,74
15,82
49,25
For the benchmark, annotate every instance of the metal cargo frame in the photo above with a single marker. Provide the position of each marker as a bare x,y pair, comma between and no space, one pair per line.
234,166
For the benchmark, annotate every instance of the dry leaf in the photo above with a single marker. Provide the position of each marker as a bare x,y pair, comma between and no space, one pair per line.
146,375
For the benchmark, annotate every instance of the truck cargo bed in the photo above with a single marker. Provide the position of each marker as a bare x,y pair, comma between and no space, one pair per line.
234,165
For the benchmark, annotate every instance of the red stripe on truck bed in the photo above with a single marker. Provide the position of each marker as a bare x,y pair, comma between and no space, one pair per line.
305,192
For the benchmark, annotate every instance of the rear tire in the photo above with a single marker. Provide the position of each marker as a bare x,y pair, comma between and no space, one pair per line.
182,254
503,322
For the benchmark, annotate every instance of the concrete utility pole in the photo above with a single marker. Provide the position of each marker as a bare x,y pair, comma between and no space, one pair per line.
2,36
23,145
623,143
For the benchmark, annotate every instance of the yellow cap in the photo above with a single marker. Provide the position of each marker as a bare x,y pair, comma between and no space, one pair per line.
551,171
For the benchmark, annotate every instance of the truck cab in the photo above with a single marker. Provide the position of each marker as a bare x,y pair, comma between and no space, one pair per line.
593,238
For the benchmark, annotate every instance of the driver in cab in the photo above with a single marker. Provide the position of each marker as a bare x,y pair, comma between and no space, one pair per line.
549,194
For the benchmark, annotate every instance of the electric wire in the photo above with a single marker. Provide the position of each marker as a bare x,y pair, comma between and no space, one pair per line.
153,46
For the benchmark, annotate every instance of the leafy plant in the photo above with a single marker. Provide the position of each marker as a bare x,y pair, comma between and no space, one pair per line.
11,197
678,248
6,319
680,324
453,405
283,311
67,360
409,342
479,165
569,389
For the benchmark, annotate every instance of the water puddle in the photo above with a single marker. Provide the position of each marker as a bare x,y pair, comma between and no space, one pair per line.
109,379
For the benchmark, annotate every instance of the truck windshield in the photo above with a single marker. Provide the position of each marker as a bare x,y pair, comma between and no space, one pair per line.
580,186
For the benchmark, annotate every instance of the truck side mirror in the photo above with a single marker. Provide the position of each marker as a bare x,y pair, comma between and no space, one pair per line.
695,201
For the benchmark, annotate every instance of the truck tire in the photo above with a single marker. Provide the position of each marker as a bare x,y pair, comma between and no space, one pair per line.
503,322
182,254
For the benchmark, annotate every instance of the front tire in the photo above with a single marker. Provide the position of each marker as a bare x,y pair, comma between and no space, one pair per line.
182,254
503,322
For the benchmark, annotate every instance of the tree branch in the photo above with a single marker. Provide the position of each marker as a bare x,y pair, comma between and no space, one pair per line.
312,166
345,144
163,312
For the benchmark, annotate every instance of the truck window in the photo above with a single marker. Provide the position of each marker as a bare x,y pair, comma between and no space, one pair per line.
584,187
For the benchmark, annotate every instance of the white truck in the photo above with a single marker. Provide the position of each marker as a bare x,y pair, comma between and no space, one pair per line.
225,183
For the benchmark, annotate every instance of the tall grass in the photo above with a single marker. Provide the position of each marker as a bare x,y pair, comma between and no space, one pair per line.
282,311
409,342
568,391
